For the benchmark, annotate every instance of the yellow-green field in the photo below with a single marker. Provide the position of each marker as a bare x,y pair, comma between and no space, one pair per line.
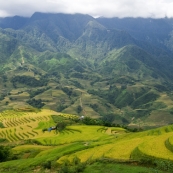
23,130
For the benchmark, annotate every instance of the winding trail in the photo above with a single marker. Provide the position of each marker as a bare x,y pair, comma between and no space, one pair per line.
21,53
82,105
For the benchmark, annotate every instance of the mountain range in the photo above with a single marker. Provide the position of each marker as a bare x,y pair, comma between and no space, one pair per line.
120,69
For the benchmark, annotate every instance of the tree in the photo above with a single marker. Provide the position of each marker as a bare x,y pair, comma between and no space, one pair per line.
61,126
109,118
61,107
5,153
36,103
79,109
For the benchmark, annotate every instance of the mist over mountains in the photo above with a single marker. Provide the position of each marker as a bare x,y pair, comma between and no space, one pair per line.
119,69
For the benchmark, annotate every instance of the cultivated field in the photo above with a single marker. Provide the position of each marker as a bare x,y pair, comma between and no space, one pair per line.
23,130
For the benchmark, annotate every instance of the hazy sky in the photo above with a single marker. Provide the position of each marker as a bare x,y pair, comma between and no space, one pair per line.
106,8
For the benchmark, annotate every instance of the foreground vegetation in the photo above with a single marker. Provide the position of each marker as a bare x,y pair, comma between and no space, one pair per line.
30,145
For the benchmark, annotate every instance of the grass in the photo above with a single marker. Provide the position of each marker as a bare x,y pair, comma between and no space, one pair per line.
48,155
90,154
81,133
24,148
118,168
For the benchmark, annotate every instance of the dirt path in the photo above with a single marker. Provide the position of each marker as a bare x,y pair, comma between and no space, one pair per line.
21,53
82,105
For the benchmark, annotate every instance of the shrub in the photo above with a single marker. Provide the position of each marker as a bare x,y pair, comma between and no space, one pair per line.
43,130
2,97
38,91
68,91
75,167
163,164
28,80
5,153
2,140
46,165
76,160
79,109
36,103
148,97
61,126
94,107
61,107
77,84
1,125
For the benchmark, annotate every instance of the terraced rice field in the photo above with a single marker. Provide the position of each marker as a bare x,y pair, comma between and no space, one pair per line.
24,125
78,140
156,147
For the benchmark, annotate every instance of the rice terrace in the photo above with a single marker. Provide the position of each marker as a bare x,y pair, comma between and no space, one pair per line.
78,147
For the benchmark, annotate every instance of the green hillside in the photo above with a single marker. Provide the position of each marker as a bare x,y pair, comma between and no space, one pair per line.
85,66
84,94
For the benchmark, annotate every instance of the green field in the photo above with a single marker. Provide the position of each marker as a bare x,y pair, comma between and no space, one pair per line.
118,168
80,146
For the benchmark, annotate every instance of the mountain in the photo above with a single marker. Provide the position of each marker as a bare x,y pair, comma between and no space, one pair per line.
15,22
155,31
96,67
96,41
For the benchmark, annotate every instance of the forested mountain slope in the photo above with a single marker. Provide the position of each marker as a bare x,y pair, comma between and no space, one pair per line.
78,64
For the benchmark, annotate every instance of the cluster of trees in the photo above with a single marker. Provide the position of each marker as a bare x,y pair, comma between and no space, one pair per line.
79,68
80,75
36,103
5,153
60,126
79,109
4,78
95,107
105,120
122,97
2,96
69,91
28,80
75,166
77,84
56,74
108,122
61,107
38,91
115,96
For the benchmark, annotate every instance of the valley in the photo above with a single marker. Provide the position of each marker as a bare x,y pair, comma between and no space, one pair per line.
85,94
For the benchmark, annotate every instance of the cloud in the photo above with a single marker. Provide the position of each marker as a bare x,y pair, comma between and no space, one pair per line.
106,8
